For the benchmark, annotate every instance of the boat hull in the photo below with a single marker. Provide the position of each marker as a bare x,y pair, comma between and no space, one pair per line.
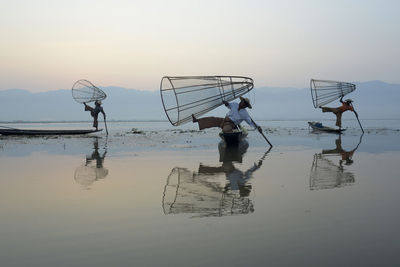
45,132
232,139
317,126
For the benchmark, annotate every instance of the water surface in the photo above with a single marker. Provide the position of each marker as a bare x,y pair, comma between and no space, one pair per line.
160,195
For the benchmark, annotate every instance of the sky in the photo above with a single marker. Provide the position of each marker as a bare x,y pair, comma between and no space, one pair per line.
48,45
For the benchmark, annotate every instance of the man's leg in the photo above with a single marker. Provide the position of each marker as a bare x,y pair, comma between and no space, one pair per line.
209,122
339,119
326,109
95,122
228,127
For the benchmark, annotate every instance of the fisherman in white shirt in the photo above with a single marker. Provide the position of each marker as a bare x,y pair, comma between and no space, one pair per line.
233,118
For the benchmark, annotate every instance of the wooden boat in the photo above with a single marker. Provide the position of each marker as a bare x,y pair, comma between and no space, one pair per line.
319,127
234,138
10,131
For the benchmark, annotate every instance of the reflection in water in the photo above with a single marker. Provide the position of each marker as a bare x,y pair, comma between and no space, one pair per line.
93,169
212,190
325,174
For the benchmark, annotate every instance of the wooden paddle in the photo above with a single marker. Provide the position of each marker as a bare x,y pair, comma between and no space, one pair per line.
357,118
105,124
262,134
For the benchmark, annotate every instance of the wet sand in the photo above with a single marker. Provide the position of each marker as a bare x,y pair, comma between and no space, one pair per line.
160,195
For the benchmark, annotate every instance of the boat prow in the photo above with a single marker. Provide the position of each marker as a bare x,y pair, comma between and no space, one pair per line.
317,126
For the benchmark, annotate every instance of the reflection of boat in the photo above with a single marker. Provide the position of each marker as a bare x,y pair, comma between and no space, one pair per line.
325,174
212,190
232,153
45,132
93,169
233,138
319,127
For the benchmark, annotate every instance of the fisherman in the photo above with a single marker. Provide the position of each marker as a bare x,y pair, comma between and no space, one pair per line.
346,105
95,112
233,118
236,178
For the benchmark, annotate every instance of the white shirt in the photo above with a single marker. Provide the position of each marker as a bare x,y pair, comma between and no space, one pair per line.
237,116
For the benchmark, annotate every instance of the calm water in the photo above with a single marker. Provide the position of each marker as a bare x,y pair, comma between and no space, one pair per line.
161,195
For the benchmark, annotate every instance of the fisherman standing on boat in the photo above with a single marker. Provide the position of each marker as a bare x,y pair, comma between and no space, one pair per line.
346,105
233,118
95,112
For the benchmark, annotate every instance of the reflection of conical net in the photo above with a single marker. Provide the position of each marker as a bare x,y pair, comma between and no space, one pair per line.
324,92
184,96
86,175
201,195
325,174
84,91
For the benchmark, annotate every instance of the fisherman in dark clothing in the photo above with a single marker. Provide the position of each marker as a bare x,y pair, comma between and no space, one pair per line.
95,112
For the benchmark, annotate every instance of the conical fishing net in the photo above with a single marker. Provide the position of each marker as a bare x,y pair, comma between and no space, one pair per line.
84,91
324,92
186,95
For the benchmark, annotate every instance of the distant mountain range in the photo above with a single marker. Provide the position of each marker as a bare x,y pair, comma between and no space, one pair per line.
373,100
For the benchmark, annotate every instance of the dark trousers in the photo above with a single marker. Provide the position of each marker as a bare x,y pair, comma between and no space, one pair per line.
93,114
225,124
338,112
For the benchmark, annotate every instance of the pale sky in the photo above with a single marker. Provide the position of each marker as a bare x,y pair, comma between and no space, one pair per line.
48,45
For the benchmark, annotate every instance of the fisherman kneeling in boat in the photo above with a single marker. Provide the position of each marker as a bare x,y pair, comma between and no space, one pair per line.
233,118
95,112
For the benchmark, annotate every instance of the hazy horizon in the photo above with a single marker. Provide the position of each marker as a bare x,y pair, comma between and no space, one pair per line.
132,104
256,86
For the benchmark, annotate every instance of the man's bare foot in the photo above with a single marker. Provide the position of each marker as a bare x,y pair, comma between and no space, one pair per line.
194,118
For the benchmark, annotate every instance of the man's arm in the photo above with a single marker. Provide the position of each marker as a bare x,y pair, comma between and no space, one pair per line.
250,122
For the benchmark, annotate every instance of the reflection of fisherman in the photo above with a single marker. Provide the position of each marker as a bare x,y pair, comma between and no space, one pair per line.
346,155
325,174
205,194
233,118
237,178
346,105
96,156
93,169
95,112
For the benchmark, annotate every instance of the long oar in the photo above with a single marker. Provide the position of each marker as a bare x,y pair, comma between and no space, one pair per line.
105,124
357,118
263,135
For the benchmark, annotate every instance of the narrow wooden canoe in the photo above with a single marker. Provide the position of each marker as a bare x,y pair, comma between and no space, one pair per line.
45,132
319,127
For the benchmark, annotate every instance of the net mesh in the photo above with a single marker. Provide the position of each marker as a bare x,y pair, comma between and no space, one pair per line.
84,91
186,95
324,92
